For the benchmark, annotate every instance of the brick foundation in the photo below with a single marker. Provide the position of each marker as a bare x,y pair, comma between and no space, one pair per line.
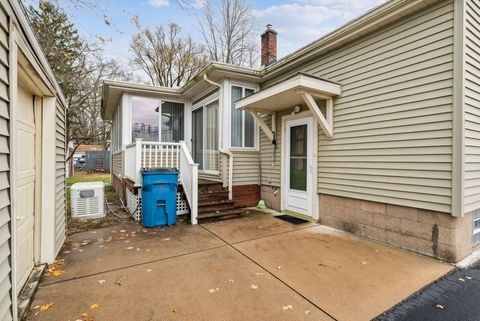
431,233
246,195
119,186
271,195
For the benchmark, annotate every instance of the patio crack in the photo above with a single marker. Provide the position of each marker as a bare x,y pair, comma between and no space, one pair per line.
134,265
232,245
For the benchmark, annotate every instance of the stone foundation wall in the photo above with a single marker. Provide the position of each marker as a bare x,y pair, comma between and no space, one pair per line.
271,195
431,233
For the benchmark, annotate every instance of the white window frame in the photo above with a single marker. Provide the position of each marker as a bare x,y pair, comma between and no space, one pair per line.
202,104
256,135
160,100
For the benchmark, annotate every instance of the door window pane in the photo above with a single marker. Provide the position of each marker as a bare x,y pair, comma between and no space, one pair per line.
172,122
145,118
211,152
298,157
237,130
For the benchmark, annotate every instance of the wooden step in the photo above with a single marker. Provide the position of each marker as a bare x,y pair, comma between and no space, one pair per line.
213,196
225,213
212,206
211,186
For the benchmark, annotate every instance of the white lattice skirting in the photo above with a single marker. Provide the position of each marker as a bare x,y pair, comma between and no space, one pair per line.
134,204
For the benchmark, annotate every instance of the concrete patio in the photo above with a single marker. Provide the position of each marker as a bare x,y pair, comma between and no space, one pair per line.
256,267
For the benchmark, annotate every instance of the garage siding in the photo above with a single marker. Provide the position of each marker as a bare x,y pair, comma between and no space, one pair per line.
5,214
472,107
60,214
393,121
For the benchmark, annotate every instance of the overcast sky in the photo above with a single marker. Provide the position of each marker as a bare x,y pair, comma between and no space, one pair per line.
298,22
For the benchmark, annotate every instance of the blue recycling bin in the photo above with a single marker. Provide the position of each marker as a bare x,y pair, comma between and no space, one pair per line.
159,197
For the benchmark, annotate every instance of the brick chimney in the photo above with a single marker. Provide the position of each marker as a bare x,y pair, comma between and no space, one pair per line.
269,46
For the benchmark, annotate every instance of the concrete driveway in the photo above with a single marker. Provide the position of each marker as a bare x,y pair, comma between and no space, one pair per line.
252,268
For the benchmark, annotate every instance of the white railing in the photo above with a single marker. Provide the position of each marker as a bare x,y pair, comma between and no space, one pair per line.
130,162
155,154
171,155
189,177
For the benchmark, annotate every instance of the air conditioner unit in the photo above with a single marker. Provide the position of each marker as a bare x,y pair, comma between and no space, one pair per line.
87,200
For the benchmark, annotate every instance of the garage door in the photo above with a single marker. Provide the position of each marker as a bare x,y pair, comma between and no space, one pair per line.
24,146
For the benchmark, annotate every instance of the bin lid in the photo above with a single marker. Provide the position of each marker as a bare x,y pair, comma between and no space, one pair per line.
159,170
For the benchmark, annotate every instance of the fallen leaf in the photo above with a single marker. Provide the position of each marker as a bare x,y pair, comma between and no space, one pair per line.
122,231
364,263
439,306
101,281
149,270
130,248
45,307
461,280
468,277
254,286
307,312
94,306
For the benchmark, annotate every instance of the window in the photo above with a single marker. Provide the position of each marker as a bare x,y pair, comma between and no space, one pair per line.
149,126
145,119
172,121
476,227
242,123
205,136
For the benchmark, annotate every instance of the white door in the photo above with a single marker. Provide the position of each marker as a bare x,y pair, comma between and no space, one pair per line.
24,210
299,166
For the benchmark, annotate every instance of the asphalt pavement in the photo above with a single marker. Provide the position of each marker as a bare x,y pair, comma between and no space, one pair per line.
455,297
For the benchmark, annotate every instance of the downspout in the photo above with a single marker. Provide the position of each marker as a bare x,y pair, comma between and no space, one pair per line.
220,127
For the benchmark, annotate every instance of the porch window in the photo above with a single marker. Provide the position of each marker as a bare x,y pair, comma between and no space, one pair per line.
205,136
172,121
242,123
145,119
148,125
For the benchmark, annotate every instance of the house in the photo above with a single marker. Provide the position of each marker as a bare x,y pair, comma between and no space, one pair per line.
372,129
32,157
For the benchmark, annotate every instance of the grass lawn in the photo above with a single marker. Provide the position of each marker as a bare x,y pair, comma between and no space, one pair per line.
88,177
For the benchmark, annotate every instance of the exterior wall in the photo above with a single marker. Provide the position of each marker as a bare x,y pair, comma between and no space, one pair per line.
118,163
428,232
5,213
472,107
246,195
118,185
60,187
272,196
246,168
393,121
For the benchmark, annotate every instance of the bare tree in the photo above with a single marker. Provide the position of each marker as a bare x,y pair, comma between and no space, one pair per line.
227,33
167,58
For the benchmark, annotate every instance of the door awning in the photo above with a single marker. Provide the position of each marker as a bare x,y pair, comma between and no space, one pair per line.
286,94
301,89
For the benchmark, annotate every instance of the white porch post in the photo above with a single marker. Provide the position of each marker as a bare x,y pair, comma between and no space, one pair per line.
194,205
138,161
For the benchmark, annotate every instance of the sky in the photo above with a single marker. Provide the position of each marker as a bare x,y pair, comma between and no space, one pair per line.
298,22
